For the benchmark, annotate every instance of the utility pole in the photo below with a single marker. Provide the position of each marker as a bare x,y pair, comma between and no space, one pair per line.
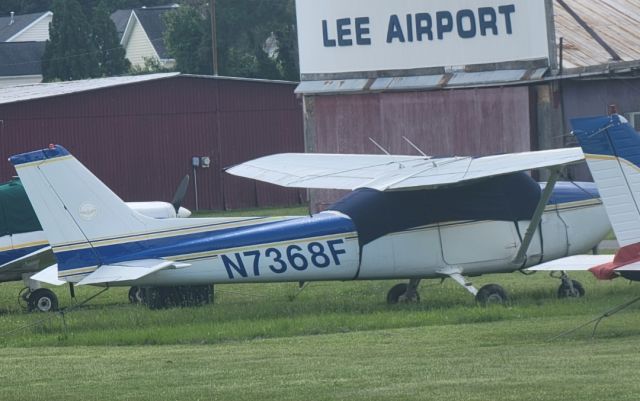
214,46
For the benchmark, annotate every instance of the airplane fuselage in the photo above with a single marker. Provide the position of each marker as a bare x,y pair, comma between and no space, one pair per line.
330,246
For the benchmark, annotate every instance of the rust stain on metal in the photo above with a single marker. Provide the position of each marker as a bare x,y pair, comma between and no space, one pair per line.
615,22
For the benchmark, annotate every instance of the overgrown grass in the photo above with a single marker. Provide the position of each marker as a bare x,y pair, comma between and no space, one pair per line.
249,311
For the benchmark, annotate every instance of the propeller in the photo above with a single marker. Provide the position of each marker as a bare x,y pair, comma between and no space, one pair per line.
181,192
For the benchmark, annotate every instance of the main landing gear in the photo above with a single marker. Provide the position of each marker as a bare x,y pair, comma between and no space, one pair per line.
39,300
568,288
166,297
408,292
404,293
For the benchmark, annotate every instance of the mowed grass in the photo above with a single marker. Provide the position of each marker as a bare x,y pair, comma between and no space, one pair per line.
330,341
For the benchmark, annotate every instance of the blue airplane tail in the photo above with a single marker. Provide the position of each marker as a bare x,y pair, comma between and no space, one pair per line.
612,151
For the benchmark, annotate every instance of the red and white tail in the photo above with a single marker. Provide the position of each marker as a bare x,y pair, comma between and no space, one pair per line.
612,150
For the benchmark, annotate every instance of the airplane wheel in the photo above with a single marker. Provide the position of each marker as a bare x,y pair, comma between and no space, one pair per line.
42,300
153,297
565,290
491,294
397,292
135,295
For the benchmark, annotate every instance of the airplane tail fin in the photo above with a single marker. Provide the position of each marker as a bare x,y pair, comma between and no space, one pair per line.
75,209
612,150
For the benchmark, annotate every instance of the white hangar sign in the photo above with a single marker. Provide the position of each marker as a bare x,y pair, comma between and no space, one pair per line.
338,36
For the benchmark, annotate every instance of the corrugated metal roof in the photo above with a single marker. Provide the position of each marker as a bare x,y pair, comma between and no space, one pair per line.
416,82
457,79
331,86
486,77
616,22
21,93
37,91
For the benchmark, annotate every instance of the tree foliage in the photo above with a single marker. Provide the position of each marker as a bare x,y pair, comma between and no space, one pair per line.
110,54
33,6
77,49
188,40
69,53
243,27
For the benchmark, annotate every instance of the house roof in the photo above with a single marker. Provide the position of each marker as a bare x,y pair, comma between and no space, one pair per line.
20,23
597,32
153,24
120,18
21,58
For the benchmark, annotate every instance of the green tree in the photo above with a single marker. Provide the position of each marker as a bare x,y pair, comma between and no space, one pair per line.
111,55
188,39
243,27
24,6
69,53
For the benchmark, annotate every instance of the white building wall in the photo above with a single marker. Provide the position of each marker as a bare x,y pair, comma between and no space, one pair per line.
39,32
138,47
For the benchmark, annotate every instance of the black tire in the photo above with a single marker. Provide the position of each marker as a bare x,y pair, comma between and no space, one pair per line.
397,291
153,298
564,291
491,294
135,295
42,300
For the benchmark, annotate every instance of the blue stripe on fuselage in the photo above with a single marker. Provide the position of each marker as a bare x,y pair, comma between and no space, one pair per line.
569,191
297,228
8,256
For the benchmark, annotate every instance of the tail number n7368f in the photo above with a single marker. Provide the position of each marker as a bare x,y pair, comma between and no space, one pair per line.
279,260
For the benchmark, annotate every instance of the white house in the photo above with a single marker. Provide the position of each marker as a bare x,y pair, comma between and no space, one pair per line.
142,37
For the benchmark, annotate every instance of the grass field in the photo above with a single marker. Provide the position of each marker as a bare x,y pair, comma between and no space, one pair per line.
330,341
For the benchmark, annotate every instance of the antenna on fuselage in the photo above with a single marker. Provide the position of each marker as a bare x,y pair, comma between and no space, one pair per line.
379,146
413,145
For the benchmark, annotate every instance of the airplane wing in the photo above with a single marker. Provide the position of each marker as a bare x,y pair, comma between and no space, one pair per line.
30,263
389,172
128,271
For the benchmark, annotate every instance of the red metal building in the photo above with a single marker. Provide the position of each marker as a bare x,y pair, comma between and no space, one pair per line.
139,134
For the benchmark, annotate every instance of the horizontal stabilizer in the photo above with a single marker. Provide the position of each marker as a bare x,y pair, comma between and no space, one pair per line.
48,276
573,263
631,267
126,271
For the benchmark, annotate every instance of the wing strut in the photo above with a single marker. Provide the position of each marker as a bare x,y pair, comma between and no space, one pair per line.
537,215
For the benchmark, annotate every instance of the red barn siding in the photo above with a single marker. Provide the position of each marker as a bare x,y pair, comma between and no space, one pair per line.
441,123
139,138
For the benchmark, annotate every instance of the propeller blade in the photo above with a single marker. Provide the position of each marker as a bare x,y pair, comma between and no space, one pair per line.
180,193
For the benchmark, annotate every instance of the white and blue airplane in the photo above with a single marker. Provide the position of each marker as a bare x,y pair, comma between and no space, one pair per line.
612,150
408,217
24,249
